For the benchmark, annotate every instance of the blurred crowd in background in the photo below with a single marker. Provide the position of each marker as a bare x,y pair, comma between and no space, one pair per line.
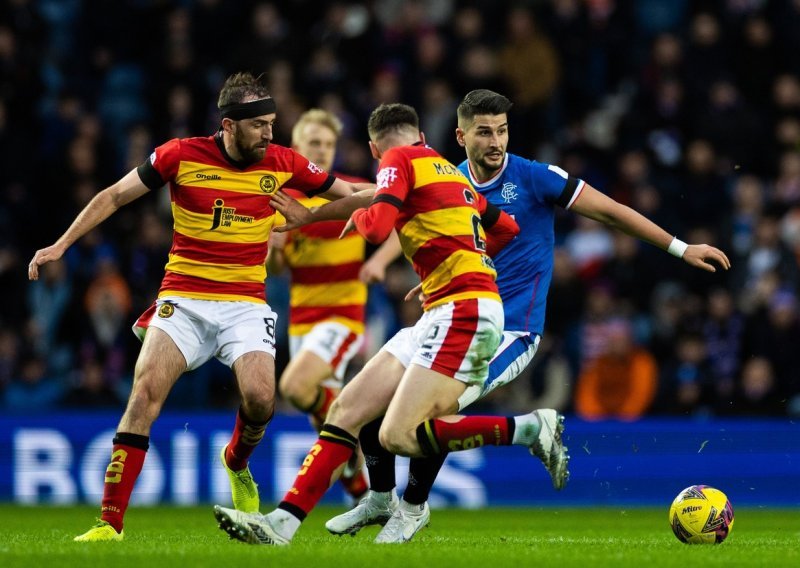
688,111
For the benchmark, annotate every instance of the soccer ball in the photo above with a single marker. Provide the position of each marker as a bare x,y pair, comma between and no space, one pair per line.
701,515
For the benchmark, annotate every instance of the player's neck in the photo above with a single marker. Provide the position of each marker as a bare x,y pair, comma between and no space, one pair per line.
481,174
230,147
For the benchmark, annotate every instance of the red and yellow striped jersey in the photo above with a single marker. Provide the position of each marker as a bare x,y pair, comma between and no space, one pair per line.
438,221
222,214
324,270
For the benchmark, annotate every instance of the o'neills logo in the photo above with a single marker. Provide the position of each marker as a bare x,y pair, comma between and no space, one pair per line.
226,216
208,177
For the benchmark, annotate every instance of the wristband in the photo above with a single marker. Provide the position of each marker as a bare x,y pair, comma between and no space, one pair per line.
677,247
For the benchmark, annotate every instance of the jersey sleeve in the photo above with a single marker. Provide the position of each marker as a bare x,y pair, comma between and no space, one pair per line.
499,226
394,178
162,165
555,185
308,177
393,182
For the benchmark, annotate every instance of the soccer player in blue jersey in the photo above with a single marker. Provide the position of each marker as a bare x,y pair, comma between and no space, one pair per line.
529,191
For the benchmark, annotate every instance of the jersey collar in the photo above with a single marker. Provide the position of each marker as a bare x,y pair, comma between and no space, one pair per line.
492,179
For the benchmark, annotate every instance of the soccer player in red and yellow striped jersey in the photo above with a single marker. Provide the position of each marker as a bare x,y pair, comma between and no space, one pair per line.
326,297
446,229
211,302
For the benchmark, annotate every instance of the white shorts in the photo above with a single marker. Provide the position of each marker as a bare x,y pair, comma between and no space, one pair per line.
517,349
457,339
331,341
203,329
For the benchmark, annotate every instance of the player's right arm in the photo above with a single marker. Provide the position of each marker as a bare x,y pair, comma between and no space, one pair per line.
102,205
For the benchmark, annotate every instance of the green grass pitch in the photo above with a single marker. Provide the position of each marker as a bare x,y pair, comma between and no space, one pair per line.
490,538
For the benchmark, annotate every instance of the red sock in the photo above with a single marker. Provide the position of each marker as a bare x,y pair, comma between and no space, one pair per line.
332,450
246,436
326,396
123,470
435,436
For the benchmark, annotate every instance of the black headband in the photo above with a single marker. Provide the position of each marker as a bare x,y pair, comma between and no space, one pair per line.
238,111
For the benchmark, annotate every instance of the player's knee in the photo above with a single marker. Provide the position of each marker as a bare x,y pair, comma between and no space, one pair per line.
298,394
346,415
258,403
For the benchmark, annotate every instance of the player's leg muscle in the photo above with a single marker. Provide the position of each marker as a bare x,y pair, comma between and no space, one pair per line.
300,381
422,394
367,396
255,375
158,367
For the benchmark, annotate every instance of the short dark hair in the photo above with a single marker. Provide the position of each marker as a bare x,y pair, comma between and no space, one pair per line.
392,117
240,86
482,101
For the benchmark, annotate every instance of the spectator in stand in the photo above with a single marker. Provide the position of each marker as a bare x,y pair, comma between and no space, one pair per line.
33,389
758,393
686,383
92,389
723,331
620,383
776,337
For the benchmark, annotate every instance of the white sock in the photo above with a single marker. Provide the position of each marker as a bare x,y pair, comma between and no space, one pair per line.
411,508
382,496
526,429
284,523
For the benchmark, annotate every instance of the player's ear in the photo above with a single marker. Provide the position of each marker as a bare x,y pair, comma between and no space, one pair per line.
422,136
374,150
227,125
460,137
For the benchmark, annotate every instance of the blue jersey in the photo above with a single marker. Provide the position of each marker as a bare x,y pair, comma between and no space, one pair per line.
528,191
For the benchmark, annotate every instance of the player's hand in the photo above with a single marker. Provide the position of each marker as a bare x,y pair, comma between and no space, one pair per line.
296,215
416,291
43,256
701,256
349,227
372,271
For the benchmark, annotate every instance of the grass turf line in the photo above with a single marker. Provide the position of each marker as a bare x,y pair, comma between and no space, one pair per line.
489,538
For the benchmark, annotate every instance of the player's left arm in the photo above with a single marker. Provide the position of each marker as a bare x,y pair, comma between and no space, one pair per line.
375,223
595,205
297,215
340,189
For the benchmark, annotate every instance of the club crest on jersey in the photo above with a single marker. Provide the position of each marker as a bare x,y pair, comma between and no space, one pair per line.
268,184
166,310
508,193
226,216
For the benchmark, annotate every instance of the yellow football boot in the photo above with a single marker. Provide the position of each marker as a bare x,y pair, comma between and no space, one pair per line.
244,490
101,532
